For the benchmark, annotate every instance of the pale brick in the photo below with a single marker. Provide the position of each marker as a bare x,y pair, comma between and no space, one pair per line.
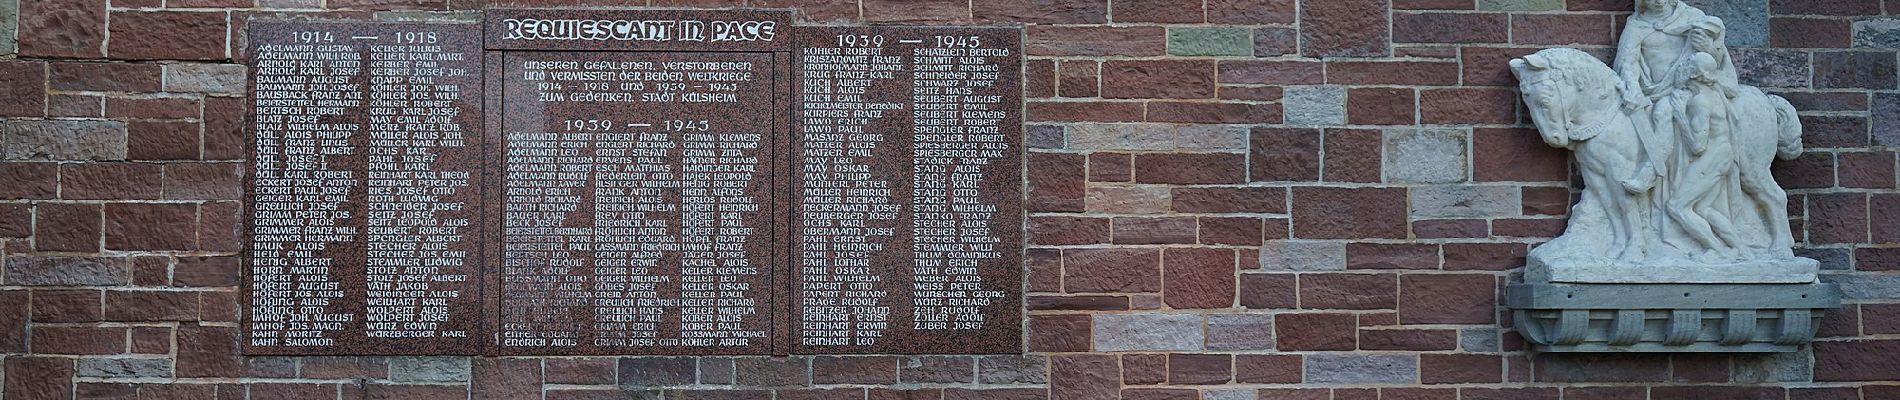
1521,5
1866,286
1435,202
1876,33
125,367
1478,340
62,140
1210,41
9,27
1361,368
1210,138
1746,20
1425,156
429,369
205,78
1128,137
1012,369
1128,199
1230,394
1789,367
1303,256
1314,105
463,16
1148,332
1229,332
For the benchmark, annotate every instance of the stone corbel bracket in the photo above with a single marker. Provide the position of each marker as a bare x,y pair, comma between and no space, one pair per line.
1641,318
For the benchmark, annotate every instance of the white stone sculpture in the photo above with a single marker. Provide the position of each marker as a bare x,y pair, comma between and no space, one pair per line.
1674,154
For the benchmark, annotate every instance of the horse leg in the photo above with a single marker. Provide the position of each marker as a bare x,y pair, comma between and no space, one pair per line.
1767,194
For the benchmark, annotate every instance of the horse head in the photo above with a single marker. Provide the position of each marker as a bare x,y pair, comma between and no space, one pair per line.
1561,86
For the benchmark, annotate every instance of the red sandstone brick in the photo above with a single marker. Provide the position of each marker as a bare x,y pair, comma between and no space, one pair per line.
1251,12
223,128
1546,200
219,226
1391,256
206,271
1229,200
1213,112
505,378
1058,184
1083,111
1079,78
1608,393
1294,394
864,370
218,306
1200,369
1881,207
24,85
1095,41
151,305
1190,168
1460,368
1836,7
1166,230
1381,106
151,226
1144,369
344,367
151,270
1268,291
62,28
1343,213
1345,28
1283,154
1508,394
67,227
1418,73
1447,299
1408,339
1078,303
82,340
1157,11
1112,270
1516,155
1484,256
1198,278
110,181
72,305
1044,268
1601,5
105,77
1562,29
1111,167
1349,291
1433,5
16,220
75,105
1170,79
1461,106
1450,228
1443,27
168,35
1237,231
1316,332
1253,93
1489,66
1083,377
152,340
1271,72
1837,218
1063,230
162,140
1042,12
1039,78
28,180
1867,169
1353,155
37,377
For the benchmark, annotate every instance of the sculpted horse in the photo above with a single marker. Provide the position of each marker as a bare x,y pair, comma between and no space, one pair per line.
1577,104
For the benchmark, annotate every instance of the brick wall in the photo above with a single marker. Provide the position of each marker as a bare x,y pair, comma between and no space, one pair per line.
1230,199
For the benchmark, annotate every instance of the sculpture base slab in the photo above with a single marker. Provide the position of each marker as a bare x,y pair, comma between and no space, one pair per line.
1573,270
1563,317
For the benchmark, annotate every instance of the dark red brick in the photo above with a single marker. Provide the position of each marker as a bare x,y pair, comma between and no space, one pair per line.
1391,256
1263,200
1111,167
1867,169
1213,112
151,226
1316,332
1095,41
28,180
1349,291
1081,78
1421,73
1151,79
110,181
1562,29
106,77
1200,369
1282,154
1837,218
1447,299
1342,213
1083,377
1058,183
1443,27
1190,168
168,35
1112,270
1271,72
67,227
1238,231
1198,278
1854,70
1165,230
162,140
1794,32
1462,106
62,28
1345,28
24,84
82,340
1353,155
36,377
1042,12
1083,111
1268,291
1157,11
1484,256
1251,12
1381,106
151,305
1836,7
1063,230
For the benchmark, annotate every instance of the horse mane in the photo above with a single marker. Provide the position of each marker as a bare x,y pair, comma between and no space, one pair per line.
1573,67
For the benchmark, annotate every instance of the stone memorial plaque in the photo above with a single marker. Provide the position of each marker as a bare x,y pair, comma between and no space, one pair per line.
638,30
636,202
907,227
365,189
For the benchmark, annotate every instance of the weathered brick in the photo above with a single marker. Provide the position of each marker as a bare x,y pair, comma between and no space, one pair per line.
1811,170
581,371
1059,333
1044,266
224,136
1770,68
343,367
1012,369
151,226
1795,32
1464,201
125,368
1444,27
1191,168
790,371
1447,299
1858,360
28,180
1171,79
1095,41
1854,70
1042,12
1343,213
1112,270
1268,291
1408,339
1361,368
1200,369
1833,131
1348,291
1159,11
63,140
1079,78
38,377
1083,377
1425,156
657,371
67,271
1144,369
1198,278
1489,66
110,181
1345,28
1866,169
1121,137
62,29
205,78
168,35
864,370
1203,112
936,369
1316,332
207,351
16,220
1148,332
1267,368
1303,256
66,227
1210,41
1315,105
